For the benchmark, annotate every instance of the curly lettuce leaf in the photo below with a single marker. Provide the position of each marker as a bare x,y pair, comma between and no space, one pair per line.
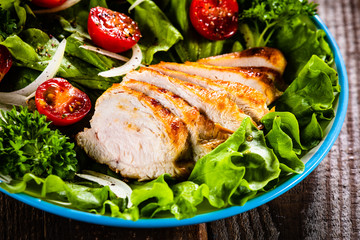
244,156
310,98
85,197
153,197
283,136
229,175
187,195
299,41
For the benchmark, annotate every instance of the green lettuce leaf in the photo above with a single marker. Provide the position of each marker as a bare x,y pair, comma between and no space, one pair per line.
158,34
188,195
85,197
75,40
229,175
239,166
310,98
299,41
153,197
283,136
12,17
34,48
20,50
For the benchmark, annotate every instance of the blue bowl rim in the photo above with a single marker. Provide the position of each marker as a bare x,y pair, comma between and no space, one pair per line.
312,163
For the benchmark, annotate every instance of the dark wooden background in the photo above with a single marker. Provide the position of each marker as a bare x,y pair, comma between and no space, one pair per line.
326,205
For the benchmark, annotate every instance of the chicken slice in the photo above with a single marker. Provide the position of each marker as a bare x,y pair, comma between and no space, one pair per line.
204,134
135,135
253,57
272,74
254,79
215,105
251,101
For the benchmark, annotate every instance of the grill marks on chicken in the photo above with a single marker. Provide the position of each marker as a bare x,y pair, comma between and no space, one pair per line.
136,136
249,100
163,118
215,105
253,57
253,78
204,134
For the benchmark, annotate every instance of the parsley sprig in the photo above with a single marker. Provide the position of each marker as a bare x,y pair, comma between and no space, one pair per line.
28,145
268,15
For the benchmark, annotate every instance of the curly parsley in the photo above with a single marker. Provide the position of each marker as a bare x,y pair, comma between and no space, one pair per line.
28,145
268,15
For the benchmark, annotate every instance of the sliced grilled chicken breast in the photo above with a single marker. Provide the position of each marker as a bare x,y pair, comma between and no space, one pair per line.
204,134
272,74
251,101
253,57
254,79
135,135
215,105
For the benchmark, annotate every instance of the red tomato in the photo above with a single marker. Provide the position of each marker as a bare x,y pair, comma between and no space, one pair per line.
5,61
48,3
214,19
111,30
62,103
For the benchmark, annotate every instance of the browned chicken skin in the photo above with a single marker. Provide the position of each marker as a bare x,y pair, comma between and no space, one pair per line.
215,105
136,136
249,100
258,80
204,134
253,57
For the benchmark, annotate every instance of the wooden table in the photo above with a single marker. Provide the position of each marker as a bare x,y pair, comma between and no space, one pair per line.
326,205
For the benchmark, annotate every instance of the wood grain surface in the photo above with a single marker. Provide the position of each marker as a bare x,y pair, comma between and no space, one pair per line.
326,205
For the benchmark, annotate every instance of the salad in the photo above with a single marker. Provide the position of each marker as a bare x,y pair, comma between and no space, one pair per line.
42,160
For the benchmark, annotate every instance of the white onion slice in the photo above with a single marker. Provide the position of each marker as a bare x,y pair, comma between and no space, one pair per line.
137,2
49,71
5,178
133,63
11,98
59,202
121,189
105,52
30,96
65,5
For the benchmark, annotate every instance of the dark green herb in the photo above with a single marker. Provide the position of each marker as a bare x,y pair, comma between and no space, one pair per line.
28,145
269,15
8,24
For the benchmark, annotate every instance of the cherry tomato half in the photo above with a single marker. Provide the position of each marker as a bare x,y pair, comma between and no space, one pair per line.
48,3
60,102
111,30
5,61
214,19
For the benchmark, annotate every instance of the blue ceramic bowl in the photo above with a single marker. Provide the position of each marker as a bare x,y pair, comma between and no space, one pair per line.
312,159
